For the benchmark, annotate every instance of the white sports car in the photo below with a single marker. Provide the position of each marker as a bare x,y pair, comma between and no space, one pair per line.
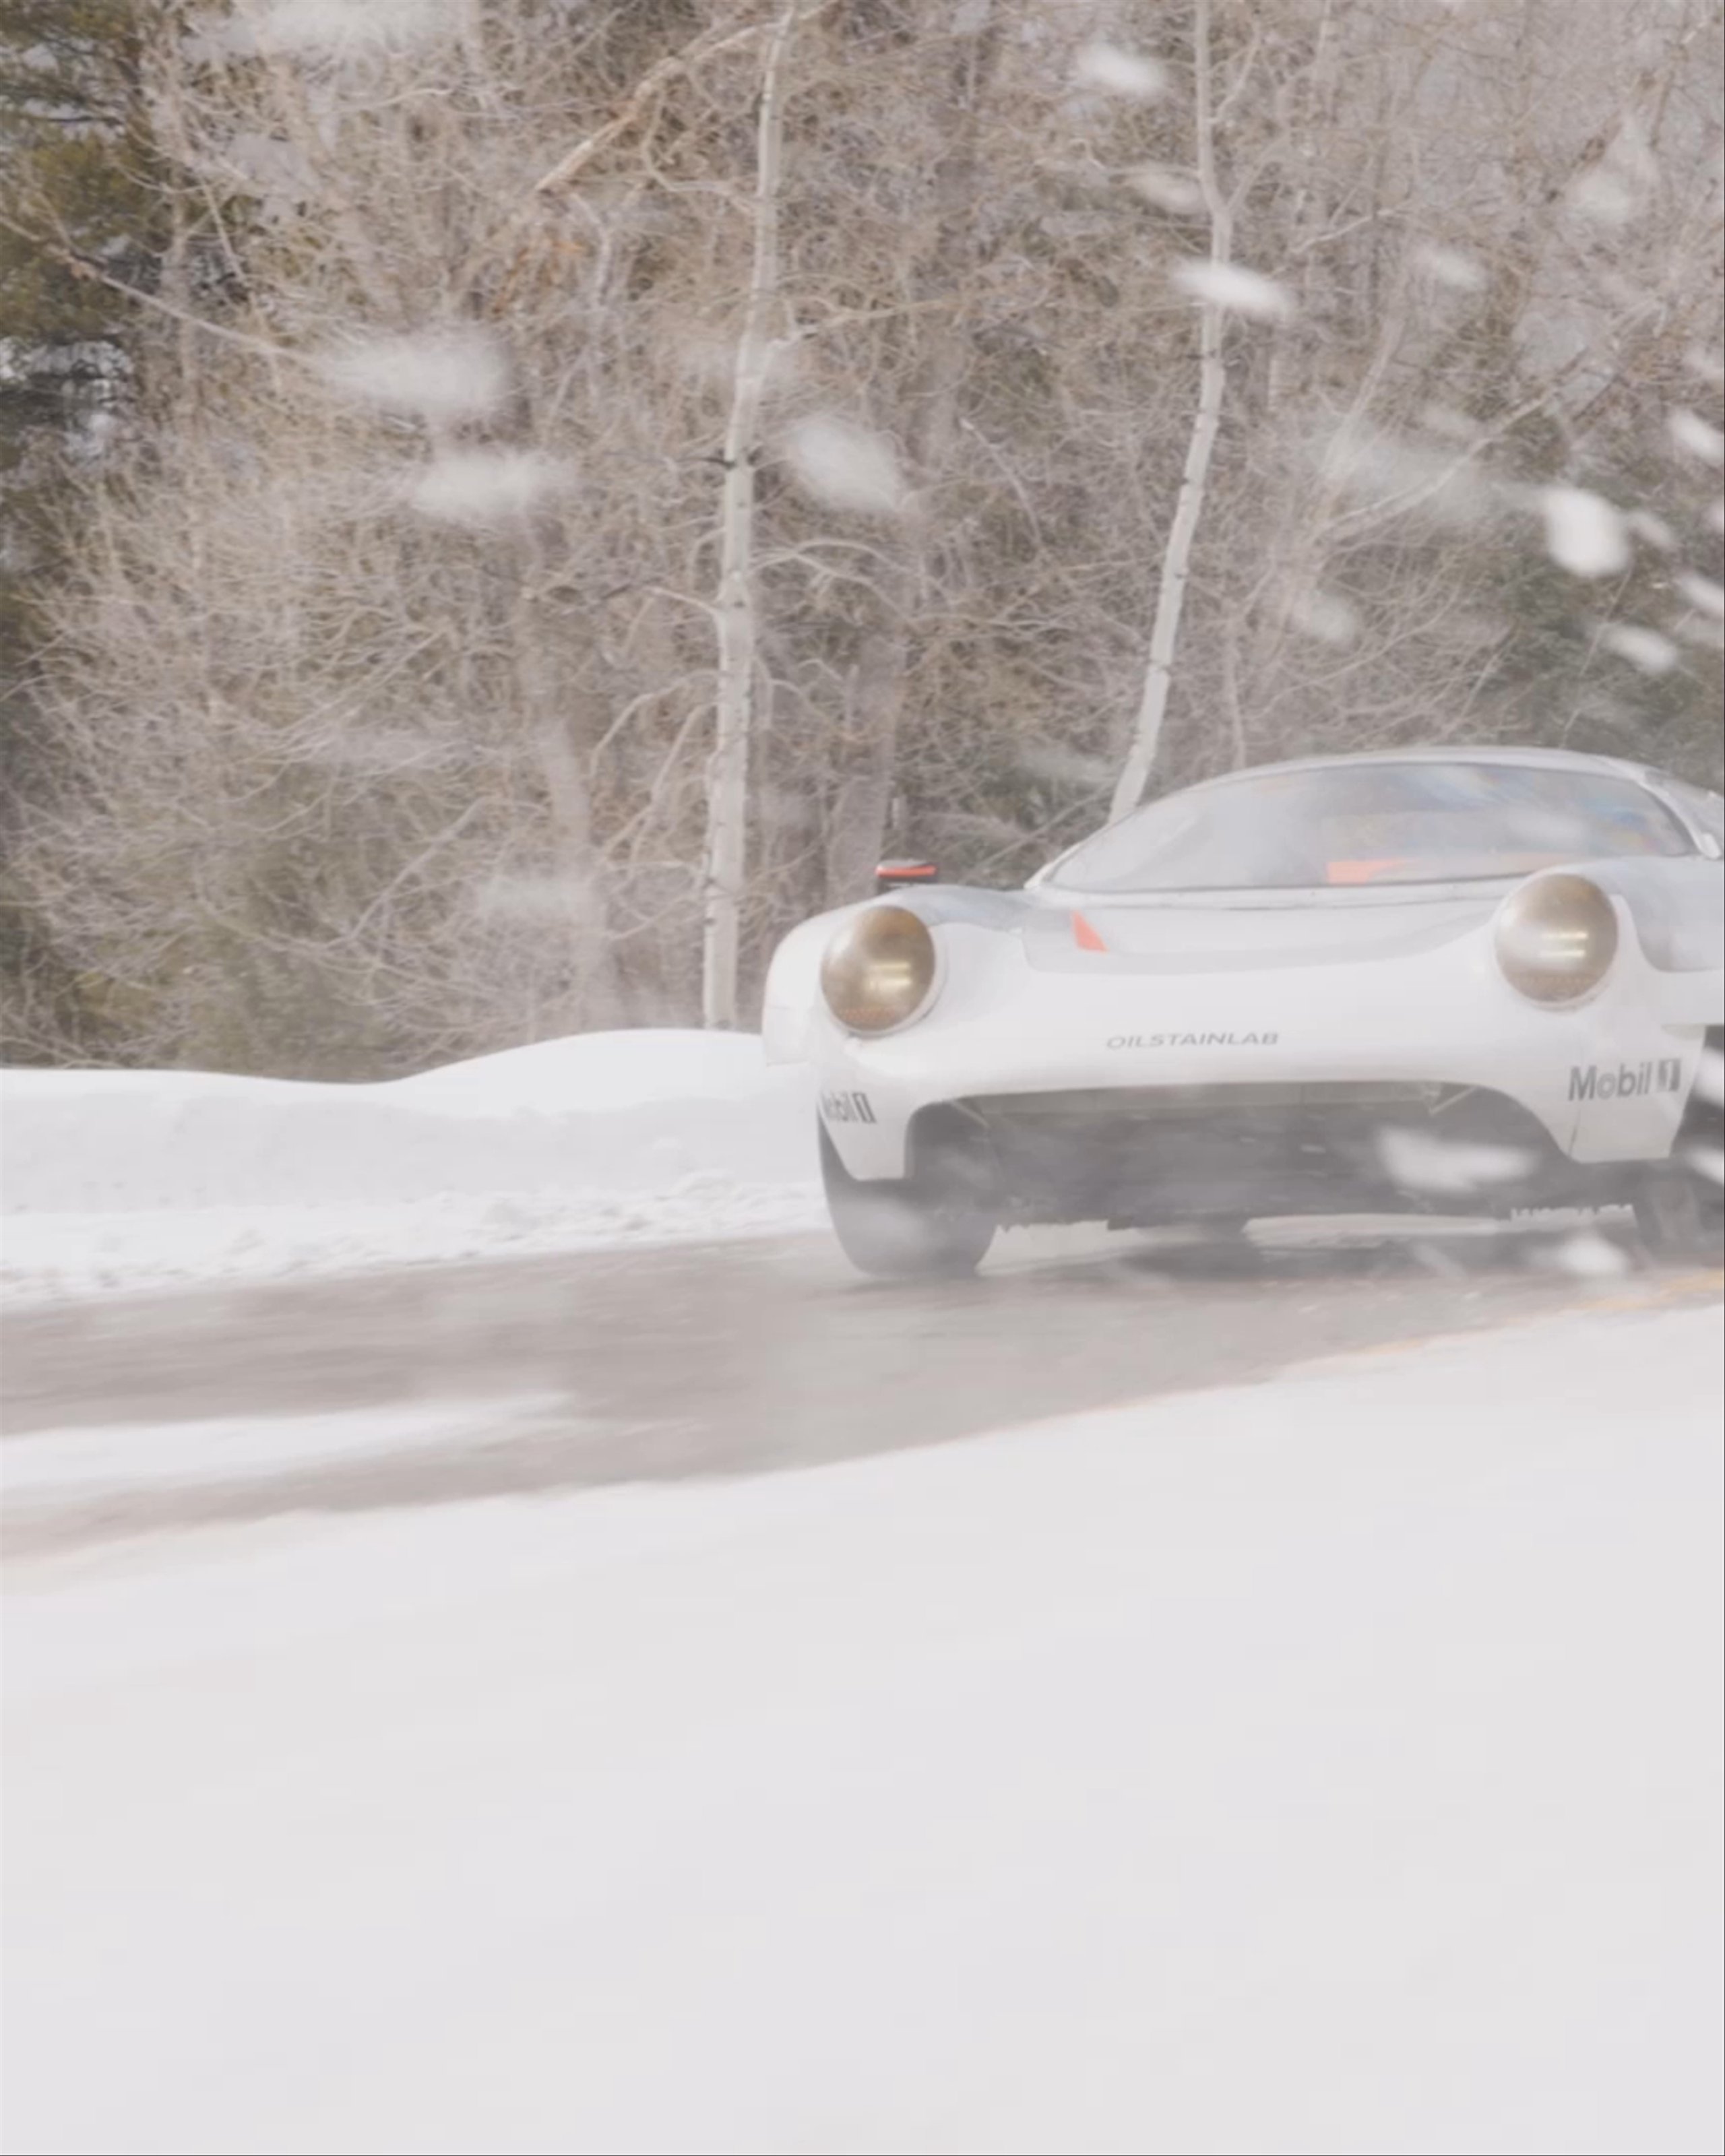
1458,980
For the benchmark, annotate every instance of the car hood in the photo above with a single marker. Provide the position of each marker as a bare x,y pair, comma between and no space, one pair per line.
1676,905
1137,937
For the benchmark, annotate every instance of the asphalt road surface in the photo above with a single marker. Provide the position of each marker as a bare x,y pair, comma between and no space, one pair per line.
735,1358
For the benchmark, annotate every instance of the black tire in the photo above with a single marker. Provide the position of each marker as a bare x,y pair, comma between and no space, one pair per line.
1680,1214
1680,1208
925,1228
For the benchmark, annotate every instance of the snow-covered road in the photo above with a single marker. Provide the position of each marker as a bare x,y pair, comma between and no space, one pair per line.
434,1383
1326,1765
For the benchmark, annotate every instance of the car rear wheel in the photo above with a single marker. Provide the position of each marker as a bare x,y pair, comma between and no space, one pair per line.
1680,1208
936,1223
1681,1215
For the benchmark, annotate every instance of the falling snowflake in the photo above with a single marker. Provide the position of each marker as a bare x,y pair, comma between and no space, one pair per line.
1611,192
1451,425
486,486
437,374
1099,65
1644,648
1583,533
1400,477
1604,196
1703,594
1693,434
1588,1255
1067,767
1325,616
846,466
1177,192
1710,366
1651,531
1450,266
315,28
1417,1161
1236,290
504,897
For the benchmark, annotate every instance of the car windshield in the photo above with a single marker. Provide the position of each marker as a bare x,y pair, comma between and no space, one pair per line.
1373,823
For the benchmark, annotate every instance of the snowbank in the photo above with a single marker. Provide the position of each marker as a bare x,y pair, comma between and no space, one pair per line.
133,1178
1331,1765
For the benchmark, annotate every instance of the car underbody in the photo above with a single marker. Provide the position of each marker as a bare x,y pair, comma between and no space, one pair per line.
1148,1156
1145,1157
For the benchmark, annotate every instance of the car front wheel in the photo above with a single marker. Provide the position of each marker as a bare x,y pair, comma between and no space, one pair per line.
929,1225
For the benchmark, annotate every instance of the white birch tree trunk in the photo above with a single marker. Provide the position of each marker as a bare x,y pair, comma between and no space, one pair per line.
1213,382
734,610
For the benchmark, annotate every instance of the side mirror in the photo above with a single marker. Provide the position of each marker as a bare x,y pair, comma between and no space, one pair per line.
891,876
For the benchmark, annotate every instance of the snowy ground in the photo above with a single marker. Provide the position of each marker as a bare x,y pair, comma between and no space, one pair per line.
122,1179
1333,1765
114,1180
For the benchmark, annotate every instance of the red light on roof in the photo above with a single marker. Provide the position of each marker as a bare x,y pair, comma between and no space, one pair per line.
1363,871
1085,936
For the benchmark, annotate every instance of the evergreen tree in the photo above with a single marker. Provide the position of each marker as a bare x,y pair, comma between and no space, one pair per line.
79,183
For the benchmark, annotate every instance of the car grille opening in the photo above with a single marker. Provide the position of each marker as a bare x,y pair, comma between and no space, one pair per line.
1152,1154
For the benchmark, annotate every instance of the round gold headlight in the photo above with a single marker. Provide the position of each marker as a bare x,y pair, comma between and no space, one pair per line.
1556,938
879,969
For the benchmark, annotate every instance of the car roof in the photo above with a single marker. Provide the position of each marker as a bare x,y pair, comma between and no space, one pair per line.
1647,775
1537,759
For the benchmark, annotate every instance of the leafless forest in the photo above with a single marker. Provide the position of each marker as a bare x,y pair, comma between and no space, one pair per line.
513,503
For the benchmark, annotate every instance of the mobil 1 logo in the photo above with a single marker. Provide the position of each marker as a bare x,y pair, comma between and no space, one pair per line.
1628,1081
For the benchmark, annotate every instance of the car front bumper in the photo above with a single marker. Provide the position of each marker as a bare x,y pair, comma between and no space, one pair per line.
1285,1084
